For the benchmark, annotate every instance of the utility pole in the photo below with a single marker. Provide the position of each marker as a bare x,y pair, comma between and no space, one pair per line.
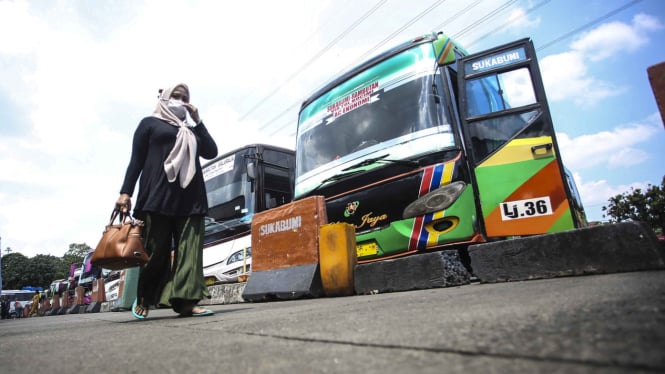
0,265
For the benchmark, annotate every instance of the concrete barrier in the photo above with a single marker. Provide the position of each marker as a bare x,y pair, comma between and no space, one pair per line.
98,296
225,294
78,306
420,271
55,306
622,247
285,253
337,258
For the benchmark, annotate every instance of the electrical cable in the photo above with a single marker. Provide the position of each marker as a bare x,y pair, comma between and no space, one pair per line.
504,25
586,25
456,15
371,50
465,30
483,19
314,58
391,36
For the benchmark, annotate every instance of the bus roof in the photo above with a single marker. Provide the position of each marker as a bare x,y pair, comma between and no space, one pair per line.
254,145
439,38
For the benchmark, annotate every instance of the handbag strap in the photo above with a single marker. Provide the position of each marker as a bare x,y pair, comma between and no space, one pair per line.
123,217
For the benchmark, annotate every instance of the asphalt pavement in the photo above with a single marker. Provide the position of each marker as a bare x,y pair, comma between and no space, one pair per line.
612,323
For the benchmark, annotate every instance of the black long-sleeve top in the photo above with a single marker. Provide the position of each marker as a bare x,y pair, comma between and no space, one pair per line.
153,141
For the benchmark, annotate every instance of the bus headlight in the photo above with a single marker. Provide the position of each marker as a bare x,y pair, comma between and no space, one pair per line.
437,200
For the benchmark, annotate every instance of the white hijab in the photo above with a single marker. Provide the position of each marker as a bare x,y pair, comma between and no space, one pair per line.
182,159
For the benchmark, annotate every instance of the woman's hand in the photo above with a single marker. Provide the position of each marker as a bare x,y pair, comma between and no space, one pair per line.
124,203
193,111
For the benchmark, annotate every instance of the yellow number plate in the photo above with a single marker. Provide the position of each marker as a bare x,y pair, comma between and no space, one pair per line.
367,249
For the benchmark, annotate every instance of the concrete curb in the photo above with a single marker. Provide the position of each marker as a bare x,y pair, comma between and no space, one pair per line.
225,294
420,271
621,247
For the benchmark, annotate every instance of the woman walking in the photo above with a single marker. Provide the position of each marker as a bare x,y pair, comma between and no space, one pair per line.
171,201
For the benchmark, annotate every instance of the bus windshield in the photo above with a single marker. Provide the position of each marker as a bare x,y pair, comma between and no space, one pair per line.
228,188
387,105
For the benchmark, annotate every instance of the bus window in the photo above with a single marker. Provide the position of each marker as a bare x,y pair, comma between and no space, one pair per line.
517,88
489,134
483,96
227,188
494,93
499,92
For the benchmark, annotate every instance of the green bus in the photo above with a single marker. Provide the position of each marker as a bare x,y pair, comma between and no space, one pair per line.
425,147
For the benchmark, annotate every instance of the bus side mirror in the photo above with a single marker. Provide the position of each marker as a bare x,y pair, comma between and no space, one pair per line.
251,171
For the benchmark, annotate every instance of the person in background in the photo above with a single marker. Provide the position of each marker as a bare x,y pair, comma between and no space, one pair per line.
172,202
34,309
4,307
18,307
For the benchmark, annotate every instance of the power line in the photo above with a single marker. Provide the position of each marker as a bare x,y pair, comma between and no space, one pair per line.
601,18
315,57
371,50
483,19
304,42
456,15
383,42
504,25
465,30
391,36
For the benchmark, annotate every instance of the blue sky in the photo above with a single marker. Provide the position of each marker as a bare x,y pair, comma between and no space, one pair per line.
77,77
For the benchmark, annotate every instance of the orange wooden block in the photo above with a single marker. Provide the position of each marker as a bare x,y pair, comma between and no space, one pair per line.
288,235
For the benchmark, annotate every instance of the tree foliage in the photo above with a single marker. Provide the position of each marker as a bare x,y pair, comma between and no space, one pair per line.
74,255
19,271
42,270
635,205
13,271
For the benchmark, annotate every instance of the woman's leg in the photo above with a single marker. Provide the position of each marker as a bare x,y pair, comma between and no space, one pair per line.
157,240
187,284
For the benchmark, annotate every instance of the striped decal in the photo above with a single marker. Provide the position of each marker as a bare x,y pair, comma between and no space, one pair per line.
434,177
445,52
544,183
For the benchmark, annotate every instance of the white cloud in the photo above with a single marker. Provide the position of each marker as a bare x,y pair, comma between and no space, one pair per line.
613,148
595,194
613,38
608,40
565,75
519,19
20,31
627,157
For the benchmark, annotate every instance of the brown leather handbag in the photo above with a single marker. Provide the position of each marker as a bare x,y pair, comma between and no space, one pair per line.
121,246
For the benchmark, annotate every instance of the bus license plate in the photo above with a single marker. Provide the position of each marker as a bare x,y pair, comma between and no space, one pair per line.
367,249
519,209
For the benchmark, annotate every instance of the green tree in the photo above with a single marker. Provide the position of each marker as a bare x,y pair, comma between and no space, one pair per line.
75,254
13,271
42,270
635,205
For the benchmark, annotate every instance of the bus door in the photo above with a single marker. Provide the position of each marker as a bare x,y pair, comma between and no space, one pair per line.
510,141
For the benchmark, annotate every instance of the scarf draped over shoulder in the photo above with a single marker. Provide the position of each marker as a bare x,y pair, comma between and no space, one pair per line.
181,162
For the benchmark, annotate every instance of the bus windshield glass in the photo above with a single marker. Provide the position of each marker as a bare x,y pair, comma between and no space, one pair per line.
228,187
387,105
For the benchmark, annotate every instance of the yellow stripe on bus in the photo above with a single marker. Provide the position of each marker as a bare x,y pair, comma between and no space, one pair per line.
518,150
445,179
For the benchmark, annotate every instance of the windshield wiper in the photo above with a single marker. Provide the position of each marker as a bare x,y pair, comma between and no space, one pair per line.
337,177
366,162
382,158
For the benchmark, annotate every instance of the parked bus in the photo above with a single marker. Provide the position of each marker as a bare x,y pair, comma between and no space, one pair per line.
425,147
23,296
239,184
